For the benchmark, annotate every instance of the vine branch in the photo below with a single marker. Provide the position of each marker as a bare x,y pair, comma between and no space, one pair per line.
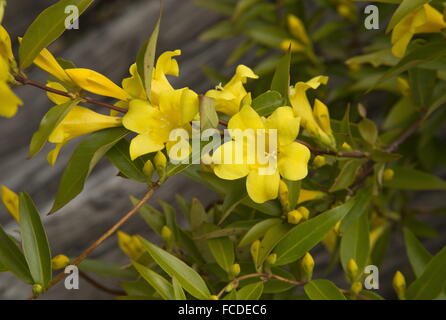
99,286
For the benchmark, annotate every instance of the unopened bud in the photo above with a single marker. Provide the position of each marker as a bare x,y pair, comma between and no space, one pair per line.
388,174
37,289
284,195
255,247
272,258
319,161
356,287
160,162
399,285
148,169
166,234
346,146
352,270
60,261
304,212
214,297
294,217
307,267
337,228
235,269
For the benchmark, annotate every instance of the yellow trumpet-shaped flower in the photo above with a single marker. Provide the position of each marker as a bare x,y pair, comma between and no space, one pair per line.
9,101
154,124
317,121
289,158
229,97
97,83
130,245
78,122
46,61
133,84
11,201
426,19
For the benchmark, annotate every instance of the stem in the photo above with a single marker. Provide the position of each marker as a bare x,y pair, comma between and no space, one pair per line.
99,286
105,236
26,81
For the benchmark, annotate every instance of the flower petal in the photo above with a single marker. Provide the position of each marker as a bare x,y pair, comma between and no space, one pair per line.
57,98
247,118
143,144
227,166
293,161
286,123
10,102
262,188
141,116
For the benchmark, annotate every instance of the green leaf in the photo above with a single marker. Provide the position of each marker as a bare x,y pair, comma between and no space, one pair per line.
258,231
272,237
422,83
232,199
368,131
12,258
222,250
197,214
267,102
159,283
360,207
355,243
281,78
189,279
347,175
306,235
322,289
145,61
178,290
34,241
48,123
405,8
151,216
431,282
251,291
411,179
83,160
120,157
293,192
47,27
107,269
208,115
419,257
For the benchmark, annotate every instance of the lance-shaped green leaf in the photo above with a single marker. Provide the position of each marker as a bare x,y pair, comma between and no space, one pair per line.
405,8
281,78
347,175
272,237
83,160
368,130
47,27
267,102
12,258
419,257
145,61
120,157
251,291
178,290
431,282
189,279
222,250
49,122
154,218
235,196
158,282
323,289
412,179
258,231
34,241
360,207
107,269
306,235
355,243
208,114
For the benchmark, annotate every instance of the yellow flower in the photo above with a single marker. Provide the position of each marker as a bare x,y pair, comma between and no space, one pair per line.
9,101
426,19
165,65
133,85
290,159
229,97
317,121
154,124
46,61
130,245
308,195
297,29
5,45
79,121
11,201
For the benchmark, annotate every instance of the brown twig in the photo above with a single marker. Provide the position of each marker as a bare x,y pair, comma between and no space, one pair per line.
26,81
105,236
99,286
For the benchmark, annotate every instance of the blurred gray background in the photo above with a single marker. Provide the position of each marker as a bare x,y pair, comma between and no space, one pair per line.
110,34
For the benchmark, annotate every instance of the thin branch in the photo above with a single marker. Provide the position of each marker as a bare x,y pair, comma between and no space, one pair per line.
105,236
101,287
26,81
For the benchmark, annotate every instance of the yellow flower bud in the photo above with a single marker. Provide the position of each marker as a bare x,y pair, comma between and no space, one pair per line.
11,201
352,270
166,233
255,247
307,266
337,228
399,285
272,258
235,269
130,245
304,212
356,287
160,161
229,288
294,217
214,297
59,262
283,195
148,169
319,161
346,146
37,289
388,174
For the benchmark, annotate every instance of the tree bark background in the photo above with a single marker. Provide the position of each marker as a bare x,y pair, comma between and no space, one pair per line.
109,37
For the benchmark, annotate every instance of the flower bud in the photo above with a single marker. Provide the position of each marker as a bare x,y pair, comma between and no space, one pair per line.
160,162
388,174
352,270
272,258
304,212
319,161
166,234
37,289
284,195
148,170
60,261
294,217
356,287
399,285
235,270
337,228
255,247
11,201
307,266
214,297
346,146
130,245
